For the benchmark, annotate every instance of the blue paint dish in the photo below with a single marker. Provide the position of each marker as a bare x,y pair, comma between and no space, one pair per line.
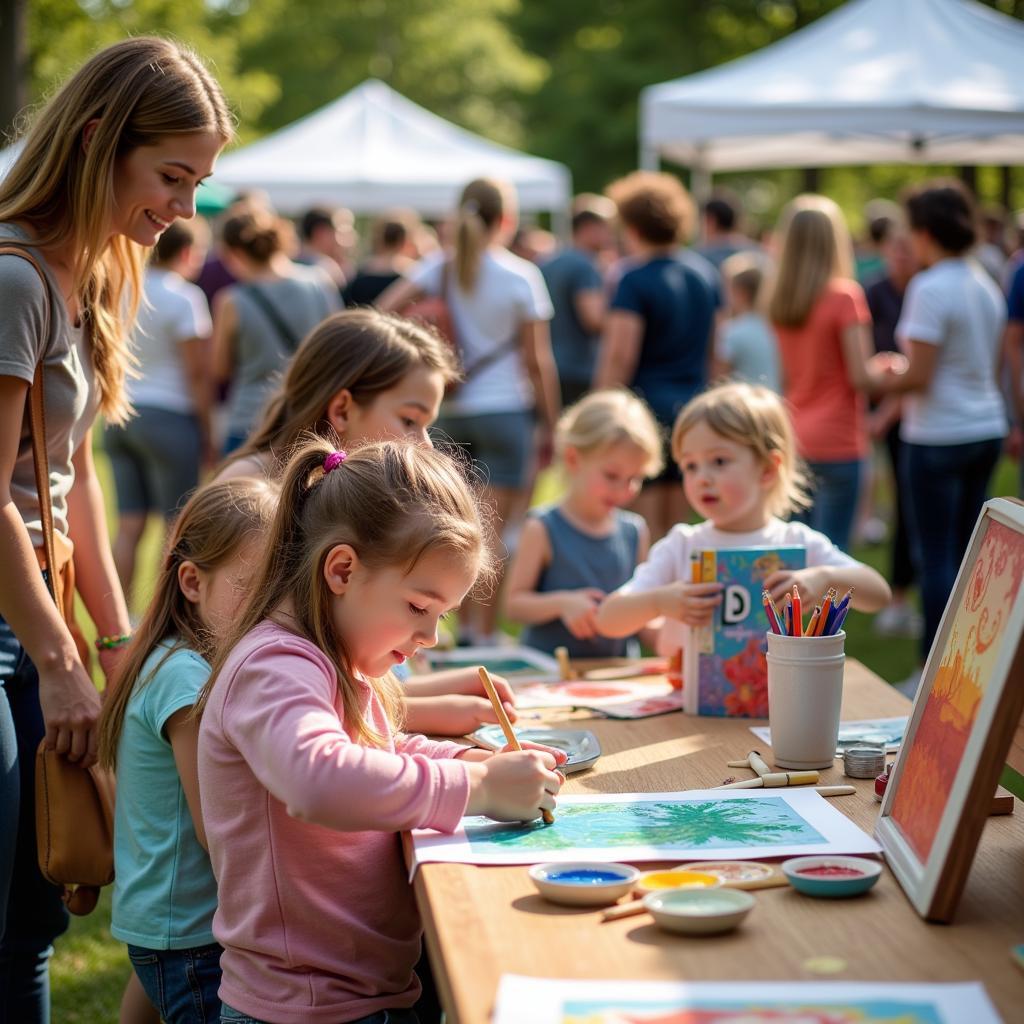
583,883
585,877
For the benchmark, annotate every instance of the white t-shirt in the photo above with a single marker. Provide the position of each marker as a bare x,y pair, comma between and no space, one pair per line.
956,306
173,311
669,559
509,292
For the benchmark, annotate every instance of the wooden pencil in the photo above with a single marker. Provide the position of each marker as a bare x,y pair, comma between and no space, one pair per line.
506,725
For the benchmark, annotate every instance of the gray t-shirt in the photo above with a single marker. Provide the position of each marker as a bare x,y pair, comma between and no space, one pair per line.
68,385
570,272
260,348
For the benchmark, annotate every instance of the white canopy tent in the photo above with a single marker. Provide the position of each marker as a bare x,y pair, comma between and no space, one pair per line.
372,150
876,81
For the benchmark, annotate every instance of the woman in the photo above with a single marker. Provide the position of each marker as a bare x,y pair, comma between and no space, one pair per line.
657,338
954,420
823,328
111,161
500,310
259,322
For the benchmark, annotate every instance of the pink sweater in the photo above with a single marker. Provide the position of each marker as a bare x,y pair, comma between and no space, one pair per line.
315,912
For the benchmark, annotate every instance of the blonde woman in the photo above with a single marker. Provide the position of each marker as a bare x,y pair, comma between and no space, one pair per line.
823,326
111,161
500,309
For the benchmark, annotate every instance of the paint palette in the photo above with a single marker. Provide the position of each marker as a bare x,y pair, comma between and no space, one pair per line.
699,911
580,745
831,877
583,883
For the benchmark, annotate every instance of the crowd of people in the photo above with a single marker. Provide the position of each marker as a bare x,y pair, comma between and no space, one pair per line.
346,451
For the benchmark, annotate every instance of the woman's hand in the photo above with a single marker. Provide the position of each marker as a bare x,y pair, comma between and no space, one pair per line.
579,611
71,709
692,603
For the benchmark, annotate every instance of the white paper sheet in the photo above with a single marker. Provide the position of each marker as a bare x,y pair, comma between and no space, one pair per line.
524,1000
691,825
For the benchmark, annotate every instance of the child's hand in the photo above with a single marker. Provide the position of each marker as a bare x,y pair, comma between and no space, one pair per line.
579,612
465,713
811,584
692,603
514,786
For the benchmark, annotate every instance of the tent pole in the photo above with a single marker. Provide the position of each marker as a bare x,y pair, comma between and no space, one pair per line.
700,181
649,158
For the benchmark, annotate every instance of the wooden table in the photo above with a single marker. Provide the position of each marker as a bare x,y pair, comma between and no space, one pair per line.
484,921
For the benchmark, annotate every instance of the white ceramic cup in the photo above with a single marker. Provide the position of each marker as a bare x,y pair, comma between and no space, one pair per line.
805,694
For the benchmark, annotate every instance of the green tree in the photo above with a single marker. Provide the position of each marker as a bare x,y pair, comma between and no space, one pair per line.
63,33
456,57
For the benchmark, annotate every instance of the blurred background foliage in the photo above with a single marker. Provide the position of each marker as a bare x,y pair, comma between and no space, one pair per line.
560,80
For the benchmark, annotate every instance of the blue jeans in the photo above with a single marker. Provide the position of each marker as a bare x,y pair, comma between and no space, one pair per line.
835,488
181,983
31,912
230,1016
944,487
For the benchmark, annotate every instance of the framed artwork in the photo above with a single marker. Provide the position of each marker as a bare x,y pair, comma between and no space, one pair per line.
964,716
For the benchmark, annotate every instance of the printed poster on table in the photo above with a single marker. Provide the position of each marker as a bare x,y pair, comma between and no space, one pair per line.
692,825
554,1001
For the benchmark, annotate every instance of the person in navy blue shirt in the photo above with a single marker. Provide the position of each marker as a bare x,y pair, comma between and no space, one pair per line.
657,339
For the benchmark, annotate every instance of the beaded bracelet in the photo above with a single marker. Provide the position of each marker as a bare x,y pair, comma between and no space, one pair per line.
111,643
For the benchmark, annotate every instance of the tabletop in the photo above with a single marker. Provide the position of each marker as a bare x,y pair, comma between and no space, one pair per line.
481,922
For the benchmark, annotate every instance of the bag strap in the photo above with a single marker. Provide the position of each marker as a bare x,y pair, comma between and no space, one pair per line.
490,357
37,427
286,333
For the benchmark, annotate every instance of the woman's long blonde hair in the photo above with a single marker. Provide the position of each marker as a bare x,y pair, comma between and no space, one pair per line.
393,502
362,350
137,91
211,527
482,205
815,248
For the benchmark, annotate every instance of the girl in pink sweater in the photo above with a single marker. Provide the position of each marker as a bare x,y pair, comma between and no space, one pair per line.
305,779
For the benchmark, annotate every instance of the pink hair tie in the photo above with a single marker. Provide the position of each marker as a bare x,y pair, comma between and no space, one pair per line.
334,460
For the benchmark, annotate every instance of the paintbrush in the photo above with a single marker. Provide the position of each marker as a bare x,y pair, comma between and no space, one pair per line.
506,726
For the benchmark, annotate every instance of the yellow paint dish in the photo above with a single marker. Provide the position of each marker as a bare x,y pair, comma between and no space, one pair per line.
658,881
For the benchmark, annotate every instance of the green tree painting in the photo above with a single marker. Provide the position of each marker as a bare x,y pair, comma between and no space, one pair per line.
690,824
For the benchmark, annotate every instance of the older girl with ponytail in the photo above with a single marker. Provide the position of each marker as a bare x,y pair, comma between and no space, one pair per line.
109,163
500,309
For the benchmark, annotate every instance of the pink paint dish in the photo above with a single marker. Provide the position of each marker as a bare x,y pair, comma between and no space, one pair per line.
831,877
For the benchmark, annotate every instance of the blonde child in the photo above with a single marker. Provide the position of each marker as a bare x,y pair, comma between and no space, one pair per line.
364,376
305,779
746,348
164,889
573,554
734,445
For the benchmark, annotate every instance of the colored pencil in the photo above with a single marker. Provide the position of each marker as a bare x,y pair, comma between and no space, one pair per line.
826,608
812,625
798,618
769,610
506,725
787,613
839,620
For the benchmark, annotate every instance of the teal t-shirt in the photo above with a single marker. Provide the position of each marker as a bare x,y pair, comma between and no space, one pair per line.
164,890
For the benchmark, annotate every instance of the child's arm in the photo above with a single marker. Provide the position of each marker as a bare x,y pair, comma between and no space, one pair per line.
870,593
451,714
623,614
182,730
576,608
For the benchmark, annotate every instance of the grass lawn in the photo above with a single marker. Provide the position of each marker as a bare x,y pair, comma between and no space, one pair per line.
90,968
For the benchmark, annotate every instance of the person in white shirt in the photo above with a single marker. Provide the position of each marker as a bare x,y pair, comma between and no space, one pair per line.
499,309
156,456
954,417
734,445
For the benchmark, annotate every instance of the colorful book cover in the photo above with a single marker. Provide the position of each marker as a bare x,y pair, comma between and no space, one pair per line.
724,667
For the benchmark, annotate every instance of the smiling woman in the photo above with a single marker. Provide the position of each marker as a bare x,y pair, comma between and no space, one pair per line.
111,161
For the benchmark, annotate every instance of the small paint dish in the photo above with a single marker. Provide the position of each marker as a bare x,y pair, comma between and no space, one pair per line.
677,878
831,877
740,874
699,911
583,883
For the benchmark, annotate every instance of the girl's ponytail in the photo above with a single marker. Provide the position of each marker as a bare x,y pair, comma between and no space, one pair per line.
481,208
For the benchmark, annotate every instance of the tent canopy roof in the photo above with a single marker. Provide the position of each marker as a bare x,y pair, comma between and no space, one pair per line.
372,149
930,81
